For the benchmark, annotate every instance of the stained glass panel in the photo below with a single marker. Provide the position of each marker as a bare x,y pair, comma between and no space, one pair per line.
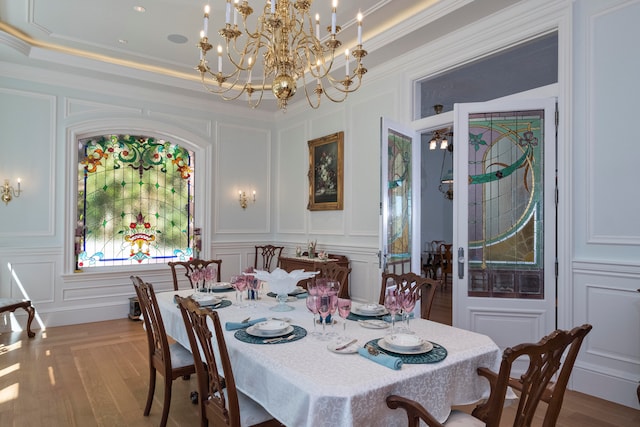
506,204
399,199
135,201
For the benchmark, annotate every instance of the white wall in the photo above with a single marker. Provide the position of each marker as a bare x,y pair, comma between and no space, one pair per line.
605,267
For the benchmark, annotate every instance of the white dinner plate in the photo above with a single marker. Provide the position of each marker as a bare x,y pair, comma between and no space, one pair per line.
404,341
251,330
357,310
271,326
426,347
351,348
205,299
221,285
374,324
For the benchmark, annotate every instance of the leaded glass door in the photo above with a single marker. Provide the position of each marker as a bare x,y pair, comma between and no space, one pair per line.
399,198
504,233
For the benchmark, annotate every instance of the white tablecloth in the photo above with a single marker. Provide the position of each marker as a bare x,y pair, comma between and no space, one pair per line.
302,383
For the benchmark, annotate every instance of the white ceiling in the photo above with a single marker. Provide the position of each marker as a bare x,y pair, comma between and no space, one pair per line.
85,35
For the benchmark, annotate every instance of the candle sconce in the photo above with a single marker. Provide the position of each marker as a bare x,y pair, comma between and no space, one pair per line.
8,192
243,199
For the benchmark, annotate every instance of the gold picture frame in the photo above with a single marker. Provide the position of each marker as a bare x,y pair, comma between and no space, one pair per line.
326,173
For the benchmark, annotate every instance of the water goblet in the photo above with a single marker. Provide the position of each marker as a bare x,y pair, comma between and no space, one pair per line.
344,308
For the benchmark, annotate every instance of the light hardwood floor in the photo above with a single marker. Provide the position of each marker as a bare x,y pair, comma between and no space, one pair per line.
96,375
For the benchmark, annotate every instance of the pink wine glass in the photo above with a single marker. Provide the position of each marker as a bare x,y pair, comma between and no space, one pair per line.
391,303
408,304
344,308
239,283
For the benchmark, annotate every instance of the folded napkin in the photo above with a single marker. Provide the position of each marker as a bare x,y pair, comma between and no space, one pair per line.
231,326
391,362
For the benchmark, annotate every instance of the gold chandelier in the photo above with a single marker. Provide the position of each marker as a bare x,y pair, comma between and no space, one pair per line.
289,45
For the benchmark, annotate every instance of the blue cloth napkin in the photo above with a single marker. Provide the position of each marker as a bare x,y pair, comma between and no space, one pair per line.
391,362
231,326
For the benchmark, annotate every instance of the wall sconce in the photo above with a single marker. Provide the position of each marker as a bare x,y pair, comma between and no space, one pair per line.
8,192
242,197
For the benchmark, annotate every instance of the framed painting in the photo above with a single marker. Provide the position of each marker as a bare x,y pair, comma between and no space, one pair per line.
326,172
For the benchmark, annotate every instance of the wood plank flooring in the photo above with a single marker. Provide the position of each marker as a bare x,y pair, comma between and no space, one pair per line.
96,375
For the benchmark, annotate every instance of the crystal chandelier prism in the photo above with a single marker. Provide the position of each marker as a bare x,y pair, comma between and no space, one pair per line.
286,43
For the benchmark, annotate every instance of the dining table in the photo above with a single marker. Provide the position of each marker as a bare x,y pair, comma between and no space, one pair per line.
305,382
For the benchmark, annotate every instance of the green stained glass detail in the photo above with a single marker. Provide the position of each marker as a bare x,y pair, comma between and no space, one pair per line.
125,223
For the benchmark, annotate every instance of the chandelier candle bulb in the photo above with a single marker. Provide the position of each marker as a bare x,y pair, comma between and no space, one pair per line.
227,16
333,17
219,58
359,28
205,29
346,61
318,26
273,7
235,13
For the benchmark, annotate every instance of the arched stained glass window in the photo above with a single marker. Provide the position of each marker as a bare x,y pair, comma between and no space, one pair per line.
135,201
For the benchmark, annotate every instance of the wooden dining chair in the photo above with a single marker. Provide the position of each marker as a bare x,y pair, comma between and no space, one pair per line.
265,255
188,267
171,360
544,360
220,401
446,262
333,271
424,286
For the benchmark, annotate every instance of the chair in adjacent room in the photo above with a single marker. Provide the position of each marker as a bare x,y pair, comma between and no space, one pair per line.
220,402
446,262
333,271
424,286
544,360
189,267
171,360
265,257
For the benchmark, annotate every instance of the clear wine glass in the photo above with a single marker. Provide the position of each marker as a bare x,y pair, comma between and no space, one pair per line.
344,308
324,308
254,286
312,306
391,303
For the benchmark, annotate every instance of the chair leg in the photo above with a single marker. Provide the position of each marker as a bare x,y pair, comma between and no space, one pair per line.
152,387
167,401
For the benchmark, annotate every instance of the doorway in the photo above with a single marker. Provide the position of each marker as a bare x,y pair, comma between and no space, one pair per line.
529,65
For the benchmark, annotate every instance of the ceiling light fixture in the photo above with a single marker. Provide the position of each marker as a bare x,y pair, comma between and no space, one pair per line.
290,49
